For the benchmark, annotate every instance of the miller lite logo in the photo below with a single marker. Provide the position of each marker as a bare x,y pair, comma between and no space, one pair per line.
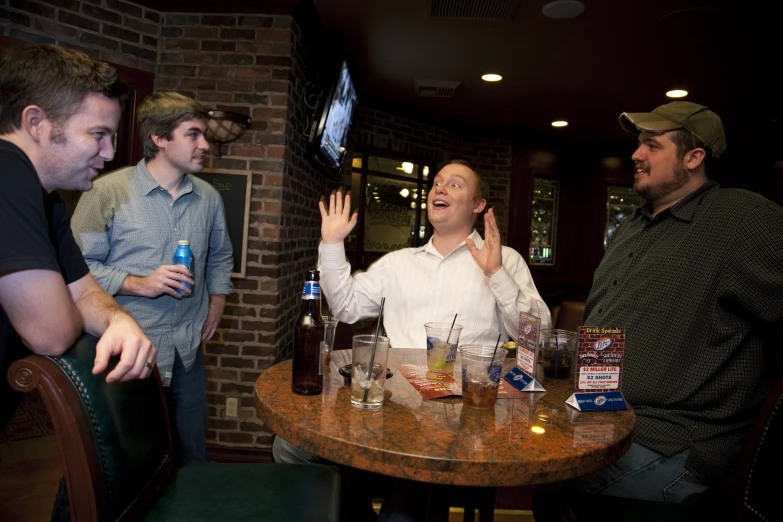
600,400
528,329
603,343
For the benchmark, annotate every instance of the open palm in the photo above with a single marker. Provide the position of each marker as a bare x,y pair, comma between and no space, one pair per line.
337,222
489,258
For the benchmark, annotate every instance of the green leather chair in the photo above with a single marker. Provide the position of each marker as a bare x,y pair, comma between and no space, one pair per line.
117,450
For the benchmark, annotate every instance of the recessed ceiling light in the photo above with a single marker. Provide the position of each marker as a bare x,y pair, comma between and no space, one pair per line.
677,93
560,123
491,77
563,9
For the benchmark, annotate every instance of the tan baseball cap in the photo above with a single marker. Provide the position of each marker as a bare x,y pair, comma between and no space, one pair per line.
695,118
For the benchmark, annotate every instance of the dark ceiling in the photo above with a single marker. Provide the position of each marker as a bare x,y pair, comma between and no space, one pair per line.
618,55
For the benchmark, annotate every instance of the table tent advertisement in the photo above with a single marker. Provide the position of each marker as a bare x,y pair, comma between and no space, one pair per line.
599,370
523,375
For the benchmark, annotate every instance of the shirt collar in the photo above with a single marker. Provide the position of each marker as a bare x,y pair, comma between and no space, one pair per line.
685,209
430,248
146,183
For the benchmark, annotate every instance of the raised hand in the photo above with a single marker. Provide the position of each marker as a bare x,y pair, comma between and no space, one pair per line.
337,222
489,258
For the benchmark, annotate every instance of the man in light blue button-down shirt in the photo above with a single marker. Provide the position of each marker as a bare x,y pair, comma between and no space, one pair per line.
128,227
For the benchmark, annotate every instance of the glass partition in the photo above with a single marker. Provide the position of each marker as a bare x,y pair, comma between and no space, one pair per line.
391,196
390,214
543,224
621,203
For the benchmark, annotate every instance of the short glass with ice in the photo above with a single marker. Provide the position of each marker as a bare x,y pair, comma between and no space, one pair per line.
481,374
442,342
367,386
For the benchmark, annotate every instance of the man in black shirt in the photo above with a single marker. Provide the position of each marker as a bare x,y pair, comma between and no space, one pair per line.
696,278
58,113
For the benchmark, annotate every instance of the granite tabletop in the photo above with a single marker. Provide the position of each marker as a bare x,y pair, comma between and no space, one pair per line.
536,439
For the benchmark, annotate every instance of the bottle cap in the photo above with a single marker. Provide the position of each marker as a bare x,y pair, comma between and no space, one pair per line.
183,242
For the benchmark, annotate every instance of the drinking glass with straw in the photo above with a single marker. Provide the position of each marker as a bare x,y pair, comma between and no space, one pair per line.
489,370
442,341
374,347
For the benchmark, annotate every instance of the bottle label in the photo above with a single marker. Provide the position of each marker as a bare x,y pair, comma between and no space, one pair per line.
311,290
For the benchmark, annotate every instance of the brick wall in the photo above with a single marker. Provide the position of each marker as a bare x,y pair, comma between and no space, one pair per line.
377,131
255,65
111,30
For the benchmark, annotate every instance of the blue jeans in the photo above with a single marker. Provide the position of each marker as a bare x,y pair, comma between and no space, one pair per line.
186,397
641,474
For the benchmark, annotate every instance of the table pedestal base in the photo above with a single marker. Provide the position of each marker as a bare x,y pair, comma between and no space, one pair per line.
440,498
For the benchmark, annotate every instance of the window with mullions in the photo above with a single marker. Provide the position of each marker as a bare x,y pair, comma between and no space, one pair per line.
543,223
391,195
621,203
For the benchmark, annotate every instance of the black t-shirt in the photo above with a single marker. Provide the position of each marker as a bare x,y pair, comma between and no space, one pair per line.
35,233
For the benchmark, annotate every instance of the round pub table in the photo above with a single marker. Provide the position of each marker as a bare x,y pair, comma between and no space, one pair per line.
530,440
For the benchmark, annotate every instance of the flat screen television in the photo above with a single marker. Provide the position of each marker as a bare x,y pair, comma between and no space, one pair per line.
329,135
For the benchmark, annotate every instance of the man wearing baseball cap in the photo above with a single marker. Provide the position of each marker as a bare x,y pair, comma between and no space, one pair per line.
695,277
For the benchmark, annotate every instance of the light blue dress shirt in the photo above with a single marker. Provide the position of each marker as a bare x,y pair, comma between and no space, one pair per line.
129,225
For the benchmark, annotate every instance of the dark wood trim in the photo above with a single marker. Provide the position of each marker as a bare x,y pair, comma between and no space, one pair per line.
71,428
521,206
81,463
271,7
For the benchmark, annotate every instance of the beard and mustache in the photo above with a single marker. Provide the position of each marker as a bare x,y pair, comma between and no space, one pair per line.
654,192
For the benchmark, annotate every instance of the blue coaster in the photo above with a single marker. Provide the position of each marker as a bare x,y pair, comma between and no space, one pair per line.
522,381
597,401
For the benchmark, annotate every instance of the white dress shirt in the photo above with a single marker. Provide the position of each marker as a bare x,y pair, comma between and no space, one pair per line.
420,286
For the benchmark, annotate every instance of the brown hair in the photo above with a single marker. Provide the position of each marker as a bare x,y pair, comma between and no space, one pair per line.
161,113
482,185
685,142
56,79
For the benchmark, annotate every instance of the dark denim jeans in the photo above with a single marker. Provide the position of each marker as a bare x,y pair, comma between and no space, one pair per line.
186,397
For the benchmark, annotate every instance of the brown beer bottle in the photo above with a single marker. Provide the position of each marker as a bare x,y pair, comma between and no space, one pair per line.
308,374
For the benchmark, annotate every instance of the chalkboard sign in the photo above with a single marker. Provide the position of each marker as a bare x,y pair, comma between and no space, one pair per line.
234,187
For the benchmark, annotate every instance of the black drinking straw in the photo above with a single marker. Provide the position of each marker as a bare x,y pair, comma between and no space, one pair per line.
374,347
489,370
451,329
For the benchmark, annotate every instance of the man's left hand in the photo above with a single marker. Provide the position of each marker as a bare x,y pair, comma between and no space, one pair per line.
125,337
217,303
489,257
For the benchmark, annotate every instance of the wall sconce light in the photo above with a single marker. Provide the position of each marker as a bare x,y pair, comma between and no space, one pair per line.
224,127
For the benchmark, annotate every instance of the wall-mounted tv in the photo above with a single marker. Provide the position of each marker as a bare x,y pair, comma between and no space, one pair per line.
329,135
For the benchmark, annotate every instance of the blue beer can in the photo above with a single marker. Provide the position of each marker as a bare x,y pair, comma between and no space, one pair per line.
183,256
